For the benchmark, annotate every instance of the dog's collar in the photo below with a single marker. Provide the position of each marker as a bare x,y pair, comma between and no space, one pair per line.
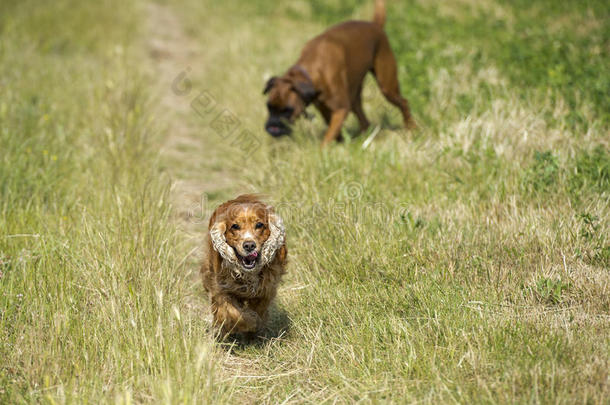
304,71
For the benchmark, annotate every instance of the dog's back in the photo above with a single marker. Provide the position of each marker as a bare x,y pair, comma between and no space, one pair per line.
355,37
354,43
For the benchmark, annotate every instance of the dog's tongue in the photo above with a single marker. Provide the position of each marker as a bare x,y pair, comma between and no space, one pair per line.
252,256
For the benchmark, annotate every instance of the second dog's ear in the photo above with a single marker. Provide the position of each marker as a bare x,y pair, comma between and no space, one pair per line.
270,83
306,90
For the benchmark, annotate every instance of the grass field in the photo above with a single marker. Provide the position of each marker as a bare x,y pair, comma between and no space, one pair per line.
465,262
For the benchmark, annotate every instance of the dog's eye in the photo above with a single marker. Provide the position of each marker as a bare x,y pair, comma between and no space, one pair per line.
288,110
259,225
235,226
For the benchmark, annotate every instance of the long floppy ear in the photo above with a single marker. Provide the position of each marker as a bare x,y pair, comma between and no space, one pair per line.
217,235
306,90
276,238
270,83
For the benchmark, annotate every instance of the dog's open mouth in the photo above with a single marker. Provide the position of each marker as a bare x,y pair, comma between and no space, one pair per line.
277,130
249,262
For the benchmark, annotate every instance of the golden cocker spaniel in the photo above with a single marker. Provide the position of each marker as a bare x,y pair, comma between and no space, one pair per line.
246,258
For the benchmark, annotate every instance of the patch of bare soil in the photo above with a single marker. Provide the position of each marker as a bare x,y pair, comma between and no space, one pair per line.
173,53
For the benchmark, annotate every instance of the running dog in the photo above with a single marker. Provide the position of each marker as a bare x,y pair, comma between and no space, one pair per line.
246,258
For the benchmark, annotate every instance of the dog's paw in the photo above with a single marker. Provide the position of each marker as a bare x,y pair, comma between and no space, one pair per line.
411,125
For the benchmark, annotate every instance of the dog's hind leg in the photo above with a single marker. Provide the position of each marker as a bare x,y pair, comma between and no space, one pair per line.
386,73
359,111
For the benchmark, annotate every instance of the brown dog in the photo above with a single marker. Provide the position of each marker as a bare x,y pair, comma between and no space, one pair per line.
330,74
246,257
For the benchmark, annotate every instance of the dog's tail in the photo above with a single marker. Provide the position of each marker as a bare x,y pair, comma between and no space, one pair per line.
380,14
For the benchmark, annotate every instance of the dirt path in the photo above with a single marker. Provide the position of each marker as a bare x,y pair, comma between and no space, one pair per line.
190,158
174,54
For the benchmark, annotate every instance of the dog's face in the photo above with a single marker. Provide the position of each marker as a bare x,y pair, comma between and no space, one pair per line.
247,229
288,98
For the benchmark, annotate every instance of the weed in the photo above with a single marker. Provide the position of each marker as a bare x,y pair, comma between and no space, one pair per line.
550,291
591,170
543,173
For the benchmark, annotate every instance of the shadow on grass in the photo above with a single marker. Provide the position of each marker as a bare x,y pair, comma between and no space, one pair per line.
278,325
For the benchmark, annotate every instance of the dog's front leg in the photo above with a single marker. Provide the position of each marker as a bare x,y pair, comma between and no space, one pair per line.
336,123
232,317
261,305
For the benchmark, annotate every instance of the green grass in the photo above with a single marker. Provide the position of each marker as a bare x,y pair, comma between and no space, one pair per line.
465,262
91,287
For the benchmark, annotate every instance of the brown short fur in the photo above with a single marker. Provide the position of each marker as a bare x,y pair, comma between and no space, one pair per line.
330,73
240,304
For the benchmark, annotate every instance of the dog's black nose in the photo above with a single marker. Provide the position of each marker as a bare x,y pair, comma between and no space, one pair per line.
277,130
249,246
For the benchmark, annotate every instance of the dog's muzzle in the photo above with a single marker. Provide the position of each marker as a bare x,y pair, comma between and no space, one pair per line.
277,129
248,262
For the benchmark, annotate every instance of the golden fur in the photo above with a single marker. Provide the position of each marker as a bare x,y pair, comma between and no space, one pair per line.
240,300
